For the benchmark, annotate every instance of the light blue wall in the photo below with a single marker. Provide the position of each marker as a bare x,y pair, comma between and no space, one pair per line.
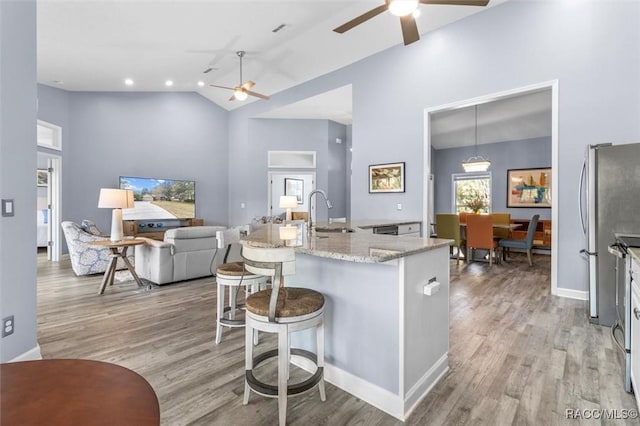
337,169
17,169
524,154
266,135
161,135
590,47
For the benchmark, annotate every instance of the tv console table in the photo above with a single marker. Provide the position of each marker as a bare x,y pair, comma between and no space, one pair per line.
155,229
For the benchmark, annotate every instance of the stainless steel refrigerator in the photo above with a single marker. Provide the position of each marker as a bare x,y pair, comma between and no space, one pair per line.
609,204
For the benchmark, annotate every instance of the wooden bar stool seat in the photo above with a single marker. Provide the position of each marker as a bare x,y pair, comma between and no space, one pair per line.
234,276
281,310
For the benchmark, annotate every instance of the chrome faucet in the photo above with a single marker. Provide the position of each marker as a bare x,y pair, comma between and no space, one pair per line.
326,200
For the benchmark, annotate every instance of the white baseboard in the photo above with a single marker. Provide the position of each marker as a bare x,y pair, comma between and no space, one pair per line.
30,355
380,398
572,294
425,384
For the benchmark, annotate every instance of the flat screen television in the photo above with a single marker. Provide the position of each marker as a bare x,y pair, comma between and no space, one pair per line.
160,198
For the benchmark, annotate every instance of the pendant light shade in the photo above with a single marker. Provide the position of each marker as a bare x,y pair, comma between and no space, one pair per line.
476,163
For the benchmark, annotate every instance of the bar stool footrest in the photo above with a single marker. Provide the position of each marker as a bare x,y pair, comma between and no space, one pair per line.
268,390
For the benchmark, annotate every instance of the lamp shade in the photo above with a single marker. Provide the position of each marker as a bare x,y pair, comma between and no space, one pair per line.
111,198
476,164
288,201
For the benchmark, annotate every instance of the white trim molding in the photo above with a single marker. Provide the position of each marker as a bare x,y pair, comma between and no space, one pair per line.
572,294
32,354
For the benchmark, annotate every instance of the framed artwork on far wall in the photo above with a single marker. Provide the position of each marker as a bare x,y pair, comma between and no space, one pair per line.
42,177
294,187
529,188
386,178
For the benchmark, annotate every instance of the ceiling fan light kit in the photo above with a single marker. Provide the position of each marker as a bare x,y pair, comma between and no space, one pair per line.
476,163
241,92
407,11
402,7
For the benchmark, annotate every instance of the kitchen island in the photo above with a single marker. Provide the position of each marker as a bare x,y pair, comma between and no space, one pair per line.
386,341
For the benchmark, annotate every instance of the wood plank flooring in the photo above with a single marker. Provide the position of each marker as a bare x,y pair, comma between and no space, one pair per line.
518,355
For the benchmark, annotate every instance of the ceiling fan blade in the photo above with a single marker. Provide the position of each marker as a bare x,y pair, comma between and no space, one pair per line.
257,95
360,19
457,2
221,87
409,29
248,85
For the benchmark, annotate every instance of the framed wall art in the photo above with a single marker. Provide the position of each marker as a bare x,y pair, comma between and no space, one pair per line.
529,187
294,187
42,177
386,178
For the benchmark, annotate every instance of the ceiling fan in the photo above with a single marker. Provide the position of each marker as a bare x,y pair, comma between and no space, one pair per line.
405,9
241,91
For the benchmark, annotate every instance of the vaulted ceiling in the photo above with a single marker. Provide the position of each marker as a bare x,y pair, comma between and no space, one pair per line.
95,45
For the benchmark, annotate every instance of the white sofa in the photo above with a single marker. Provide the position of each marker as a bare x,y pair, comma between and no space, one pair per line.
185,253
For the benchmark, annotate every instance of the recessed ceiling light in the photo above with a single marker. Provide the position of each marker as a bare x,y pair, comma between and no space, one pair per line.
128,82
201,83
57,81
168,83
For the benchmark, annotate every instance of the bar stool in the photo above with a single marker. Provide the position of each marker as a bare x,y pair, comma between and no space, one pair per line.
234,276
281,310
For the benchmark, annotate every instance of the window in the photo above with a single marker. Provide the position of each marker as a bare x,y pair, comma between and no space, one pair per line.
472,192
49,135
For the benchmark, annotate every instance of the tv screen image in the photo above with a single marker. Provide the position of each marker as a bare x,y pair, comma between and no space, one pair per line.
160,198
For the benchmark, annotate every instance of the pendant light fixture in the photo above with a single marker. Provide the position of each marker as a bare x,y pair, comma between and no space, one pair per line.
476,163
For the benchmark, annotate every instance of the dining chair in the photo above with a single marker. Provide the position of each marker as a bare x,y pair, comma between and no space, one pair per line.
480,236
463,216
501,219
526,244
448,227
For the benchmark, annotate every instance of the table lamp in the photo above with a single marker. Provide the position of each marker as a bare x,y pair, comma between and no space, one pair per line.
288,202
116,199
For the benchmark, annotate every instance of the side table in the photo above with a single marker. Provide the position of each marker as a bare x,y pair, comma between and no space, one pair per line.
118,251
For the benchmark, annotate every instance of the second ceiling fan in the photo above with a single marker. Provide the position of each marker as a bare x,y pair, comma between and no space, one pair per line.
405,9
241,91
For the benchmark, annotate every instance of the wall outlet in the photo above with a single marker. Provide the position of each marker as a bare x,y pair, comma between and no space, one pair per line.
242,205
399,206
8,325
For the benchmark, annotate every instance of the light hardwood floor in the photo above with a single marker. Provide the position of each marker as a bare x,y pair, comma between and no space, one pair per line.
517,355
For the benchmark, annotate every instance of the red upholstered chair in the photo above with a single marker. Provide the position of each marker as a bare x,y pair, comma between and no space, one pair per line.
480,236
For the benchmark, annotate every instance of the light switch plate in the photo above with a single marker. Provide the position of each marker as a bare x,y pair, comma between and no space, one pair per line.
7,208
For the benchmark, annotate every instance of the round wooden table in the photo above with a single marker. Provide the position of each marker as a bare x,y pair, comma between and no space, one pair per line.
75,392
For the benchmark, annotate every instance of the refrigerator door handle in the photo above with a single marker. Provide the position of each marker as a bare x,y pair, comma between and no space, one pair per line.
580,191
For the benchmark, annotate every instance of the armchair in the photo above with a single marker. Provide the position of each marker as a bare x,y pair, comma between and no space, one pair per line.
185,253
87,260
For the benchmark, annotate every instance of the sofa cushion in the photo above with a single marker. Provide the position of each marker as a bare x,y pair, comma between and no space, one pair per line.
90,227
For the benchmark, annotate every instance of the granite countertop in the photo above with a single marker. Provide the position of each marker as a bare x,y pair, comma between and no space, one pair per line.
358,246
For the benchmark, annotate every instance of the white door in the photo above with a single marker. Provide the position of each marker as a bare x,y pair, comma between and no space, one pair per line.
278,183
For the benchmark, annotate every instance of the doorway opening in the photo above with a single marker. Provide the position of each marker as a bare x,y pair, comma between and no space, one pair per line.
305,181
551,88
49,191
